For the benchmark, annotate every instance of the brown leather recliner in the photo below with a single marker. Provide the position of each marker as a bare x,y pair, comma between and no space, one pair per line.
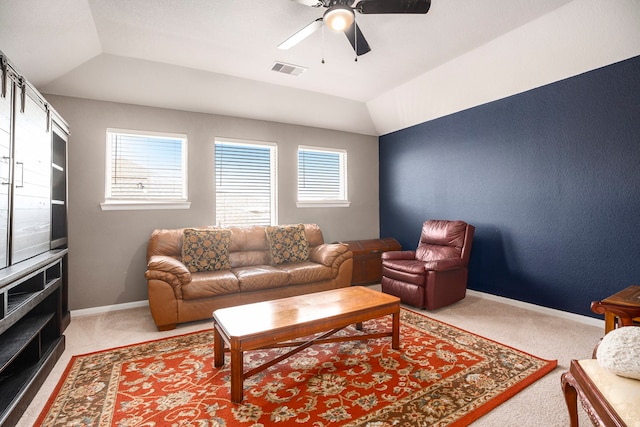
435,274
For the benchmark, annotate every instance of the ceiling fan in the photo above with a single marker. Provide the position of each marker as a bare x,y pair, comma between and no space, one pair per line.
340,17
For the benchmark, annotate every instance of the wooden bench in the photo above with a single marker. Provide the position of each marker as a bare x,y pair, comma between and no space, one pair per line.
608,399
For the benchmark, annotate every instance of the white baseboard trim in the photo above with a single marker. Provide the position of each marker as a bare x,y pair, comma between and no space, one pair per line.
108,308
540,309
545,310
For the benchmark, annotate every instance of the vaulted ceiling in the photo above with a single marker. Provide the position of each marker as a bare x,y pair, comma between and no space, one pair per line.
215,56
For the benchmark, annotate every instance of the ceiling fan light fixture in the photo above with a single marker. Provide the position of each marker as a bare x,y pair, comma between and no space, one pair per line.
339,17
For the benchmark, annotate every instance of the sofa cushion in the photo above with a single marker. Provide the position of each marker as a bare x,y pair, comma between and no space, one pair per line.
301,273
619,352
166,242
248,238
209,284
206,249
259,277
249,258
287,243
314,234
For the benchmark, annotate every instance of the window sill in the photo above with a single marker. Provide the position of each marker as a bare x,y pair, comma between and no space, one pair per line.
140,205
324,204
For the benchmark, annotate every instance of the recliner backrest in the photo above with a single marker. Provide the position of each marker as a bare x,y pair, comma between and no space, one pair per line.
441,239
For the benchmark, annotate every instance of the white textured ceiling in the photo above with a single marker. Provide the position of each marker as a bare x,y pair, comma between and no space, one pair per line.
215,56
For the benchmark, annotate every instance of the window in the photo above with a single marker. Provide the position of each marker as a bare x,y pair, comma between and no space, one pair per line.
145,168
245,183
322,177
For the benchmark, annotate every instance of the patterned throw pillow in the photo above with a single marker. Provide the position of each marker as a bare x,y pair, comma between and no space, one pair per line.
206,250
287,243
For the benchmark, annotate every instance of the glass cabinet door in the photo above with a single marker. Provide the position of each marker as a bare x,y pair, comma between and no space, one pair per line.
59,139
5,168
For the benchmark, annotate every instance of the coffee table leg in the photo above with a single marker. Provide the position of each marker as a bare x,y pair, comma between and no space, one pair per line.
237,369
237,379
236,376
218,347
395,338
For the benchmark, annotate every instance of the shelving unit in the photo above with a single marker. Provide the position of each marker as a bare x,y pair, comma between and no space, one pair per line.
31,329
34,308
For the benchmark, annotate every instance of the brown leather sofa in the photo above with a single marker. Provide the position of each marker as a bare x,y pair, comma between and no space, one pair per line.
177,295
435,274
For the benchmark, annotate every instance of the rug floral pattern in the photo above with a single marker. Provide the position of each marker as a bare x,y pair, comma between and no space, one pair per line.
441,376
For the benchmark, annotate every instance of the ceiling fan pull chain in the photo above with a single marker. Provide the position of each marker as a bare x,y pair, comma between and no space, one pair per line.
322,42
355,37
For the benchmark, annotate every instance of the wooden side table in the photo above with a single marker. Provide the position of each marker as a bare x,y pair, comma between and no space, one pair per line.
621,309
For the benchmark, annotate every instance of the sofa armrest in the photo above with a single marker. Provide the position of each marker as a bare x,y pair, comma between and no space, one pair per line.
399,255
330,253
168,270
444,264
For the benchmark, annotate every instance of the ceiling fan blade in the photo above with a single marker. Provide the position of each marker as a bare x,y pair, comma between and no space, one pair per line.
361,47
393,6
312,3
301,35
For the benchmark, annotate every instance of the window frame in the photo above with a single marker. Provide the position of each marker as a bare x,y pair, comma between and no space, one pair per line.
273,173
114,203
344,201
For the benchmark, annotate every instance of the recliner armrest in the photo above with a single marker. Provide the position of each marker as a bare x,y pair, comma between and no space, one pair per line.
167,269
399,255
444,264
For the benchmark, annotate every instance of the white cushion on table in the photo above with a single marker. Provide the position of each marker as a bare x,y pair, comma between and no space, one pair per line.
623,394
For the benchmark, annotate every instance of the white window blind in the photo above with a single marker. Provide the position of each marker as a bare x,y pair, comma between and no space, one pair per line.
245,183
146,166
322,175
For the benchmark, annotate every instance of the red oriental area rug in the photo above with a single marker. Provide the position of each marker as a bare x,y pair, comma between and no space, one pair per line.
441,376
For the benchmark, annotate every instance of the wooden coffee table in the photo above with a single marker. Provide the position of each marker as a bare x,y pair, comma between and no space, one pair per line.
276,323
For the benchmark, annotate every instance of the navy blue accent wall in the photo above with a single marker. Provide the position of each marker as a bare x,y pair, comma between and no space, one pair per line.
550,178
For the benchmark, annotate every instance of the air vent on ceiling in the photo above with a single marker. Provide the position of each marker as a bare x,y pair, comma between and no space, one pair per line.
294,70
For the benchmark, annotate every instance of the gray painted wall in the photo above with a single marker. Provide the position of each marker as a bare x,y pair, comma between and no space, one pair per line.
108,248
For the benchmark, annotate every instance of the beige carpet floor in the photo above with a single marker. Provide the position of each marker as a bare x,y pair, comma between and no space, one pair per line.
537,332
